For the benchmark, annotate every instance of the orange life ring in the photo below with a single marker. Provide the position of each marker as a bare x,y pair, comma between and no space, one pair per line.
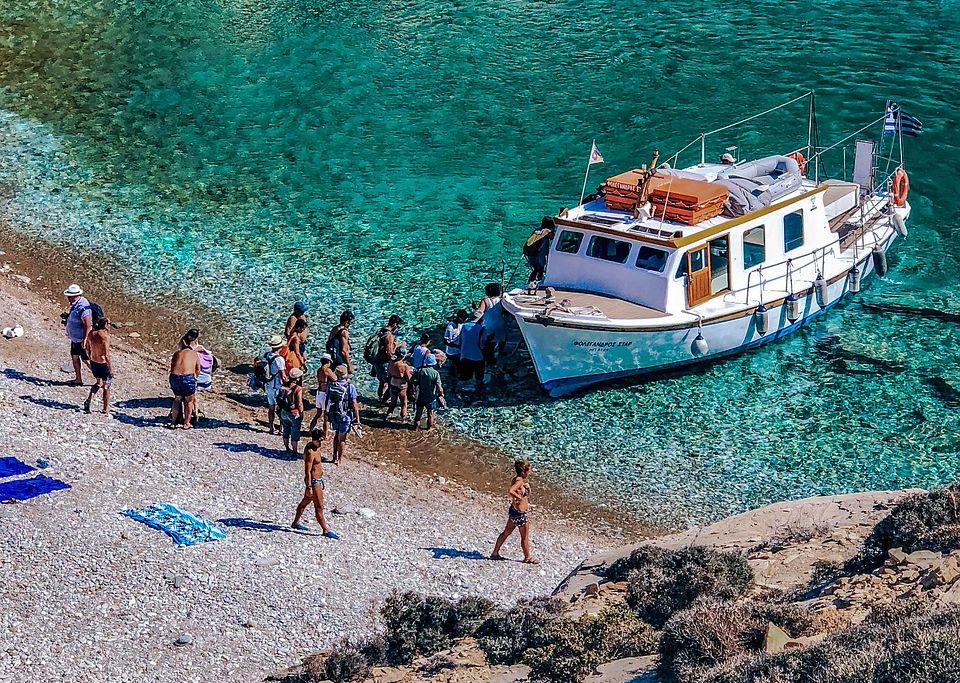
801,162
901,187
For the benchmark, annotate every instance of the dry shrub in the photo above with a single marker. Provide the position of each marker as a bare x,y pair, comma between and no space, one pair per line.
577,647
923,521
904,643
506,636
712,632
661,583
421,625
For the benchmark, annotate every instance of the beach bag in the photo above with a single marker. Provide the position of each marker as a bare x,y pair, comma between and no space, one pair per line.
338,400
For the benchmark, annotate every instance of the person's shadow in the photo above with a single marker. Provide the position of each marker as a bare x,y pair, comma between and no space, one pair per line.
50,403
10,373
455,553
275,454
263,526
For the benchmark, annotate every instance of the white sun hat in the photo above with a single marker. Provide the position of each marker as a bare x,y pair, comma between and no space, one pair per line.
73,290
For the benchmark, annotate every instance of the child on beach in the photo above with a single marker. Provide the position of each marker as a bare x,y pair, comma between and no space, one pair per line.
97,347
313,478
518,514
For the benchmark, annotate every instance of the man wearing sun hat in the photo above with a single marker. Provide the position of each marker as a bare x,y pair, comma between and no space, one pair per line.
276,376
79,323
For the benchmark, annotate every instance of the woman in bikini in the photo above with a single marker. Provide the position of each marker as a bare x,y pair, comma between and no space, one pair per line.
400,374
518,515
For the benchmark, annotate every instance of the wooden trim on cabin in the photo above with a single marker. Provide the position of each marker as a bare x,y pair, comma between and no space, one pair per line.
742,313
677,242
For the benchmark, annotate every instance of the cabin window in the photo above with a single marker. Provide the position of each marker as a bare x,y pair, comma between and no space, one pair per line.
792,231
569,241
696,259
649,258
754,247
608,249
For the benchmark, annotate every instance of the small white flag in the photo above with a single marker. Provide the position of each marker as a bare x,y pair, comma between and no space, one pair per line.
595,156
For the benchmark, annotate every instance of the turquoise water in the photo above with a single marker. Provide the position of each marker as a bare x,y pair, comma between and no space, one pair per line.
388,155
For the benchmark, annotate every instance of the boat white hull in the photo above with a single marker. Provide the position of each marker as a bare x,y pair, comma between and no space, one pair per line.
568,357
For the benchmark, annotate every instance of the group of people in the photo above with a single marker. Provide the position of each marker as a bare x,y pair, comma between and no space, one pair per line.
471,343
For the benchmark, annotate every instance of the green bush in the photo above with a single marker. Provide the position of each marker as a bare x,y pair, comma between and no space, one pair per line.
904,643
506,636
346,663
713,632
924,521
420,625
661,582
577,647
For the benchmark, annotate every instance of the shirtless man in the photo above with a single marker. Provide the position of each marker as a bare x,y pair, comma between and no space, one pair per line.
184,370
338,343
325,375
97,346
313,478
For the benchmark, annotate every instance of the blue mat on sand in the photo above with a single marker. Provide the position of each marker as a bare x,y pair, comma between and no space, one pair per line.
11,467
25,489
182,527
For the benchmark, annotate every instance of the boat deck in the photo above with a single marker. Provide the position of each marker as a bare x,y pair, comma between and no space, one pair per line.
583,303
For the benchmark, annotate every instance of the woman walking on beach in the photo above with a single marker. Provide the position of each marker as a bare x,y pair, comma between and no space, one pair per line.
518,515
290,403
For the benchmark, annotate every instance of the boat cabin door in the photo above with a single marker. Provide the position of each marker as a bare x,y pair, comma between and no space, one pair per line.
698,276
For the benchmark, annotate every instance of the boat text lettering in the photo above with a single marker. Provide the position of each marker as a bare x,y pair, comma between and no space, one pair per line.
601,344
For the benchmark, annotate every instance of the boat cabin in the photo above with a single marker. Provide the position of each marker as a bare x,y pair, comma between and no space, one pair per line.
668,265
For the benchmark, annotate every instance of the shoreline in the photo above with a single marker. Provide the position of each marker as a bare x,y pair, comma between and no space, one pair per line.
262,598
443,453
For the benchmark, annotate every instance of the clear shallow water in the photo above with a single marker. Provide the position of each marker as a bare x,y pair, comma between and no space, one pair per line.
387,156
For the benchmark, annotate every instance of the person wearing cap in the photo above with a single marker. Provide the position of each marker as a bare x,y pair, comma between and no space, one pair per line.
325,375
429,391
276,374
299,313
184,370
386,347
727,159
79,323
338,341
400,375
343,410
290,403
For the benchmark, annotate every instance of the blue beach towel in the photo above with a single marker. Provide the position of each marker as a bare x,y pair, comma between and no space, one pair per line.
11,467
25,489
184,528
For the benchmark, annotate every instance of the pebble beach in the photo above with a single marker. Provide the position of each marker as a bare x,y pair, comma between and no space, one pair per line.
91,595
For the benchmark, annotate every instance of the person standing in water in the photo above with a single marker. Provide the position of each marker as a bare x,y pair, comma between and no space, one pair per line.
400,375
97,347
184,370
299,314
338,342
518,515
429,390
313,478
451,336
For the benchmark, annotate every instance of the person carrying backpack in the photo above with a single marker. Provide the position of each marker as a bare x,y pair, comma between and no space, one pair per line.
290,405
430,391
269,371
343,410
378,351
338,341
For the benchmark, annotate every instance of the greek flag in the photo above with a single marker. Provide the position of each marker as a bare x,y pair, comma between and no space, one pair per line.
909,125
